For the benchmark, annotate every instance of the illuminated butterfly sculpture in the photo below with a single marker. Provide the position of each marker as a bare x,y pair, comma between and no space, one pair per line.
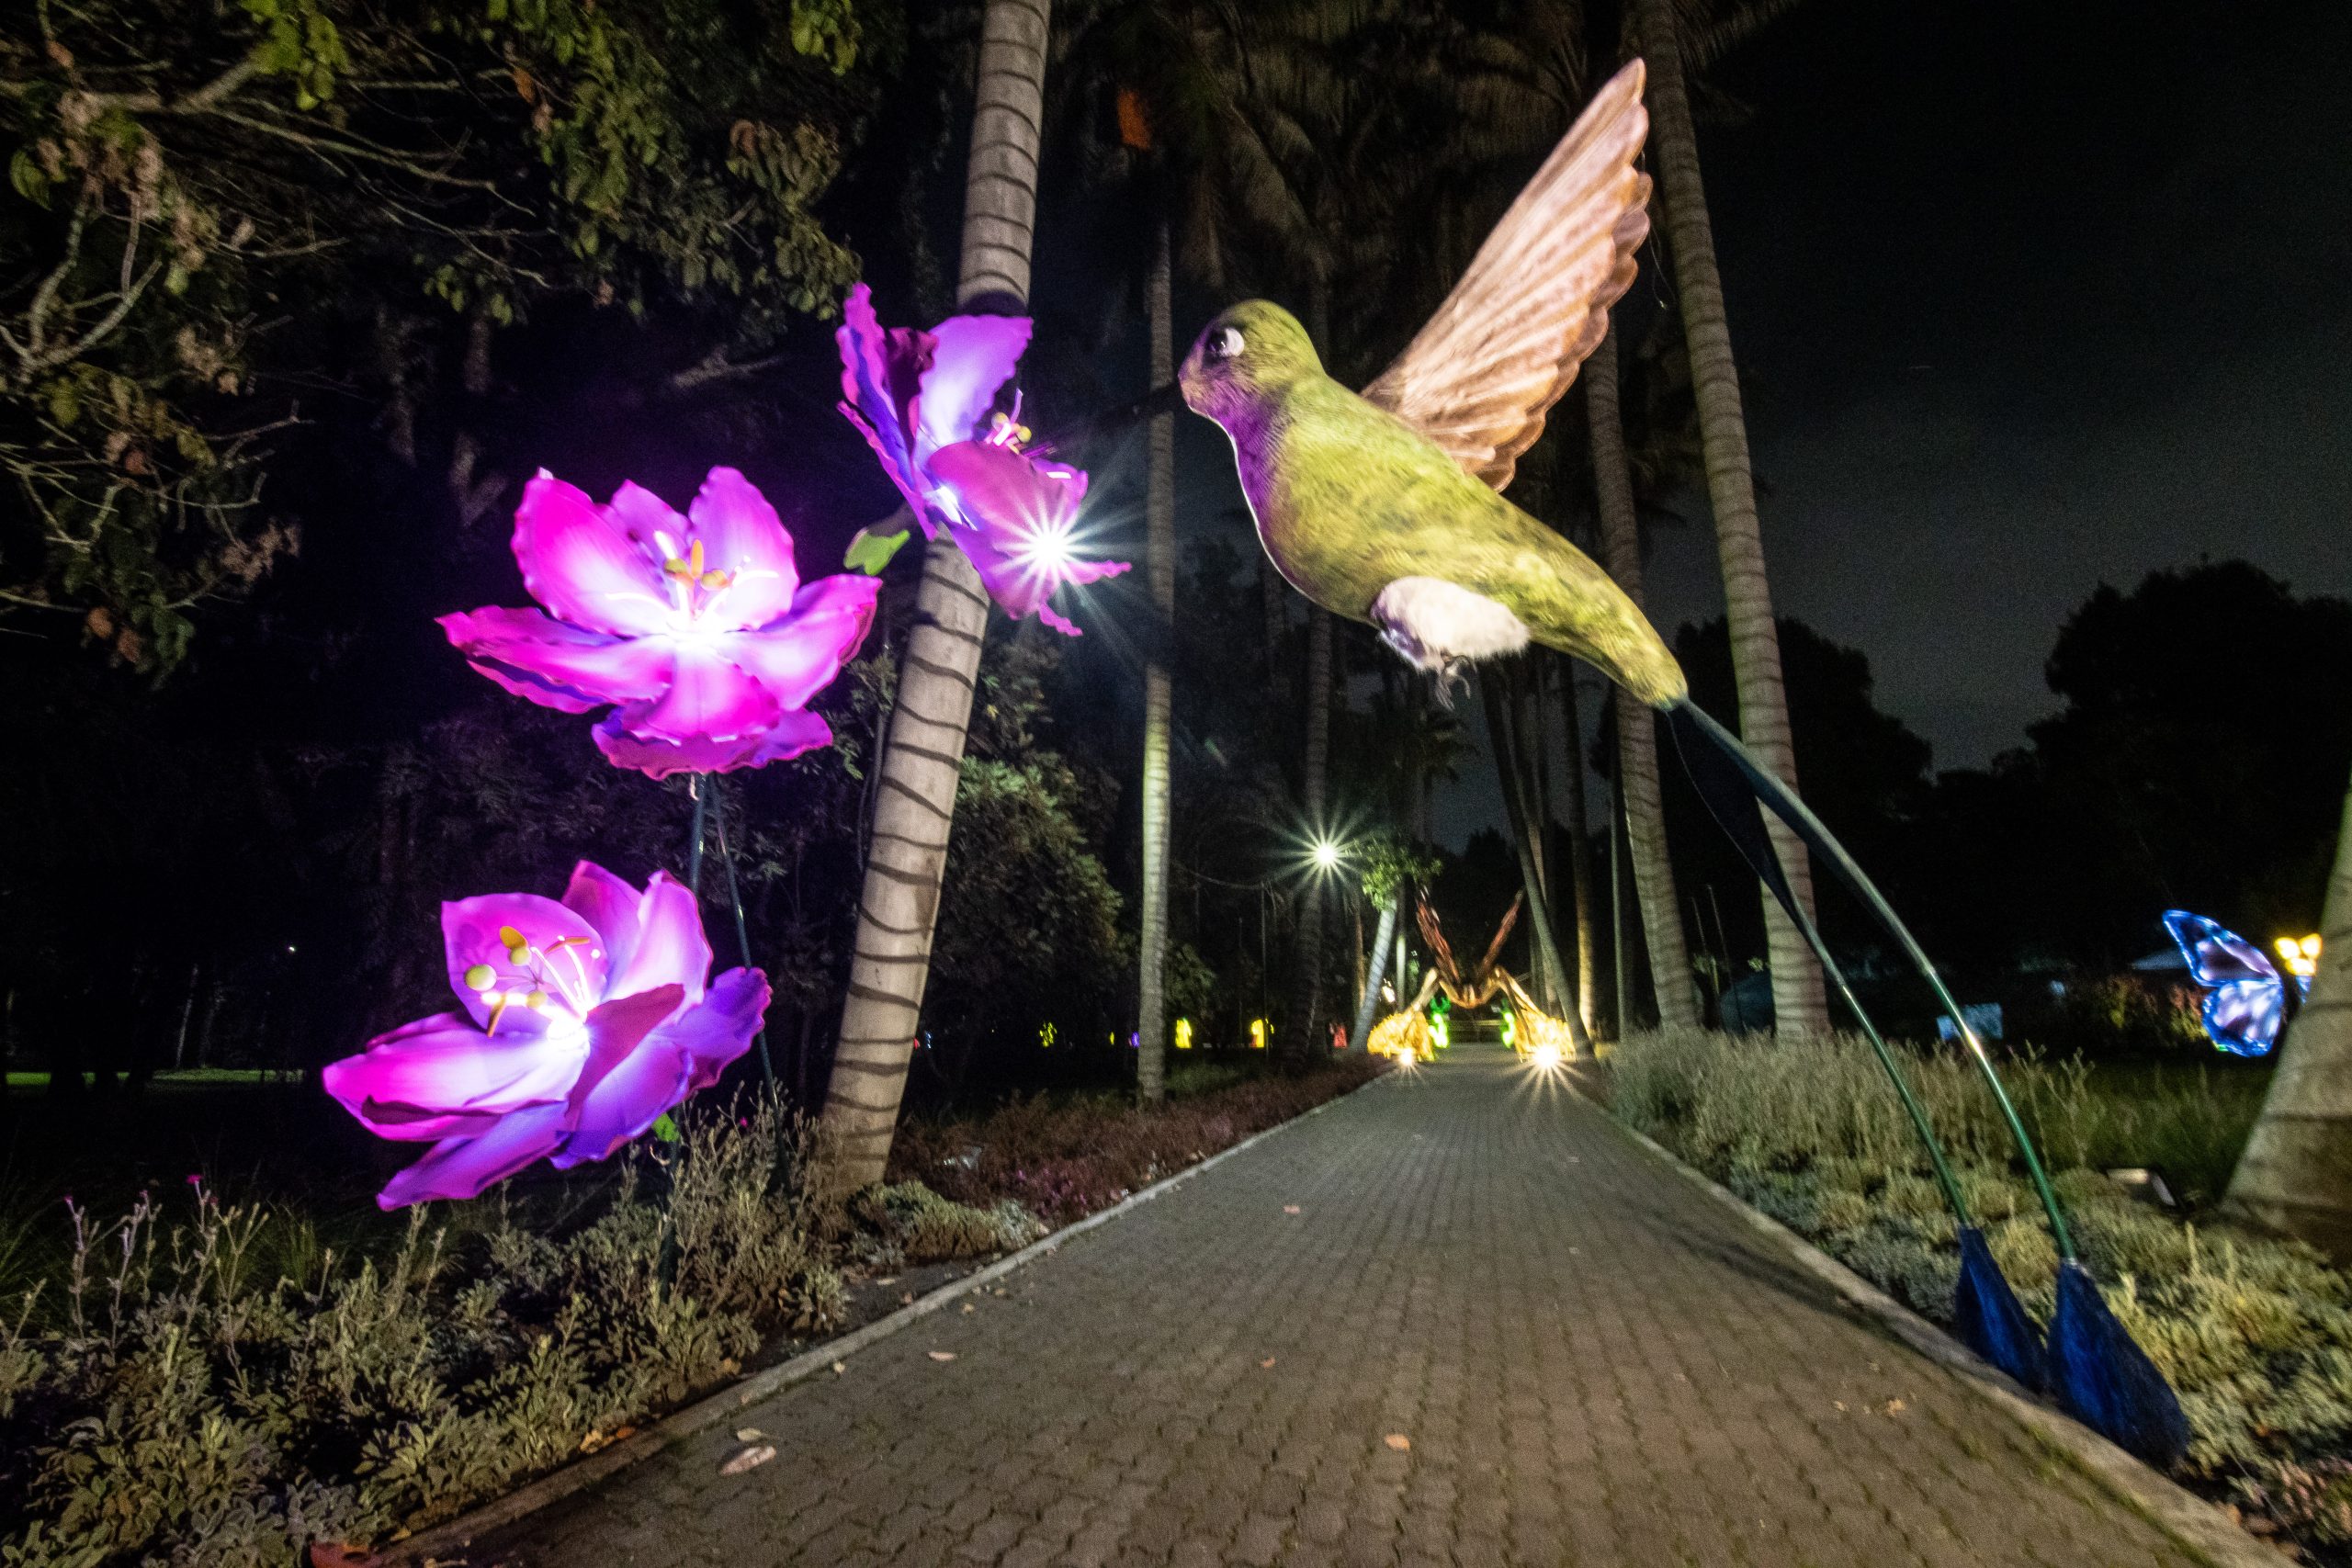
2247,1003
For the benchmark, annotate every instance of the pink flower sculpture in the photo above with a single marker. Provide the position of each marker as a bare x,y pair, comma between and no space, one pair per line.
923,398
912,392
697,631
1023,511
586,1020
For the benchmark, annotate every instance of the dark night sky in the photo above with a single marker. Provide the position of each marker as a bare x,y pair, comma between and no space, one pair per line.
2026,304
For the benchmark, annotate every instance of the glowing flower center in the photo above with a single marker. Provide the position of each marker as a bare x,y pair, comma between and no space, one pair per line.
551,980
2302,956
1004,430
693,585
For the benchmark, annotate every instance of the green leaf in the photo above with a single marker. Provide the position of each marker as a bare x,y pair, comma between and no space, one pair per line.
869,552
27,176
665,1129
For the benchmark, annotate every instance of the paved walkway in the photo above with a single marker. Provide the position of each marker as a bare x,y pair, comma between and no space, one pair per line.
1592,1363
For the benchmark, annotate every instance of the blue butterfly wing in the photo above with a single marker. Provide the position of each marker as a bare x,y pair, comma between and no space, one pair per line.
2242,1016
2216,954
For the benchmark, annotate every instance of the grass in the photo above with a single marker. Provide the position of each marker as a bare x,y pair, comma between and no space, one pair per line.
2254,1334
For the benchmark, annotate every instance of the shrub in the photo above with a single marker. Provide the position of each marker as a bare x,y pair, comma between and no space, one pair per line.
2254,1334
927,1228
175,1402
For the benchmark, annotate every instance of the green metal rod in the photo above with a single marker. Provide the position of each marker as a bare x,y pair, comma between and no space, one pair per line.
743,941
1783,801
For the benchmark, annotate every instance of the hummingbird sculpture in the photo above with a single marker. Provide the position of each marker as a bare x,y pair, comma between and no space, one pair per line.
1386,506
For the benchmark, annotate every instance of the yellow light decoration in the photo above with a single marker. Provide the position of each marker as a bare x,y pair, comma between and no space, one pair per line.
1257,1034
1544,1058
2300,956
1183,1034
1404,1035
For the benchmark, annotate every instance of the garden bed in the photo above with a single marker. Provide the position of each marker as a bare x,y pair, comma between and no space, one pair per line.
2254,1334
205,1381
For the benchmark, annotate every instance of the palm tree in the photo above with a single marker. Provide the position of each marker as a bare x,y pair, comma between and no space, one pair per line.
1159,562
1580,840
921,759
2296,1173
1799,1002
1620,552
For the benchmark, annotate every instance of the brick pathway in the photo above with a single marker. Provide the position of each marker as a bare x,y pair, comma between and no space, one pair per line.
1592,1363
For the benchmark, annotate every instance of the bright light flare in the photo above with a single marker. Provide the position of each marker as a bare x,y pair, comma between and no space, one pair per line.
1545,1058
2302,956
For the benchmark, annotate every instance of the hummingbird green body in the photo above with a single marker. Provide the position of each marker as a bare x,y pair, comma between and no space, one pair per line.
1358,510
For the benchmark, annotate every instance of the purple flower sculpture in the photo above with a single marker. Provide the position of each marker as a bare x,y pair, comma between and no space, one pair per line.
912,392
696,631
1024,509
586,1019
922,401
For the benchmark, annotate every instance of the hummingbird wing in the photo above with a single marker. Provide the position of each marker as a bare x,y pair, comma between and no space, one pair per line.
1478,378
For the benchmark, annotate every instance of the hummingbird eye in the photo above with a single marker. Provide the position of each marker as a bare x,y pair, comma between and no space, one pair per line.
1227,345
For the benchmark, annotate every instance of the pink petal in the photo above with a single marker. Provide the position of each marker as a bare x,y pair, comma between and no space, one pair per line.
426,1078
797,656
470,931
742,537
881,373
722,1028
671,949
583,563
794,733
709,698
624,1068
462,1167
610,905
974,358
1019,516
558,665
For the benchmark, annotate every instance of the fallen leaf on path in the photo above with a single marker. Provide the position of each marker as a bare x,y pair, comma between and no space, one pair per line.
749,1434
943,1355
1290,1208
968,1307
905,1298
840,1366
1895,1408
749,1459
1399,1441
1267,1362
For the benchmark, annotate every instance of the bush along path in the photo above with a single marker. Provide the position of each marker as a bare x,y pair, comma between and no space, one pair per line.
1456,1318
2254,1334
203,1383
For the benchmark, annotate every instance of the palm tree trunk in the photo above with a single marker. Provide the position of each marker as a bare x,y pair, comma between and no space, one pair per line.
1800,1004
1579,844
1307,1005
1518,808
2296,1173
1527,748
1369,1003
1621,550
1159,549
922,757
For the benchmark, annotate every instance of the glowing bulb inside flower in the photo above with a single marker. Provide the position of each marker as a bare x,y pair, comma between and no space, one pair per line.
1545,1057
1048,551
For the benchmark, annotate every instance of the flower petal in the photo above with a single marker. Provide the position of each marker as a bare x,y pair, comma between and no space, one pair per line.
972,359
423,1079
611,907
582,562
881,373
794,733
555,664
709,698
722,1028
632,1079
461,1167
670,949
1019,516
797,656
742,537
560,948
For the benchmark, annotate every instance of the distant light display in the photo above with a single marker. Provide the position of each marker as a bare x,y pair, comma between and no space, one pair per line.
1258,1034
2246,1002
1183,1034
